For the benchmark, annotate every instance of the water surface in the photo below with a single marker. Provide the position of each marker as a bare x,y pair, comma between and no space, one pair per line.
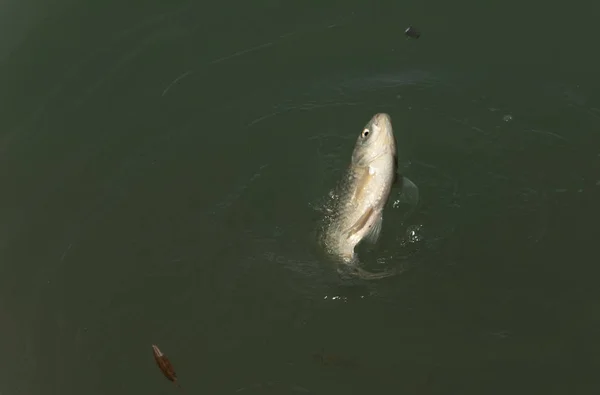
164,166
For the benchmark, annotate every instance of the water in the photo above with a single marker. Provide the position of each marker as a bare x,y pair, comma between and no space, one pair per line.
164,166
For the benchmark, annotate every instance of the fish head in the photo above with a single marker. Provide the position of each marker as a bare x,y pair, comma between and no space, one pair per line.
376,139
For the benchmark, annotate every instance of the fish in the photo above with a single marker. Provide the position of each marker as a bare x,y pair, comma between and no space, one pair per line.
363,193
165,365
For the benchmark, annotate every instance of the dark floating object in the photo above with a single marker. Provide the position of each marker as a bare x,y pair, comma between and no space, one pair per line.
165,365
412,32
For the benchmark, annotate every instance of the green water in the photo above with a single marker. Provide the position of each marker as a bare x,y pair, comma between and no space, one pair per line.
164,166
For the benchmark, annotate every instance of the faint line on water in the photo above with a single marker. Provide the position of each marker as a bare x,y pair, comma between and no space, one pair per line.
558,136
242,52
593,112
261,46
119,64
319,136
233,196
301,107
75,66
267,116
466,123
255,48
62,258
182,76
452,180
216,61
239,53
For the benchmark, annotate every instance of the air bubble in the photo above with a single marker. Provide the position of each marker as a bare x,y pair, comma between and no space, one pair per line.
414,233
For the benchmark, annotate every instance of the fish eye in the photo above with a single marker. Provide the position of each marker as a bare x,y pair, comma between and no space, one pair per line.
366,132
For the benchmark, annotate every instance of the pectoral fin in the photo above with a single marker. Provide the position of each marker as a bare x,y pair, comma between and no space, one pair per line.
410,192
361,223
373,234
368,220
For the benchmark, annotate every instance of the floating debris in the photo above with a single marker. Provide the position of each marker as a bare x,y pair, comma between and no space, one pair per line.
165,365
412,32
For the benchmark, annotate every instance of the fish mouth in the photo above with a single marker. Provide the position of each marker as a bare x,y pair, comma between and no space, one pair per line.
383,122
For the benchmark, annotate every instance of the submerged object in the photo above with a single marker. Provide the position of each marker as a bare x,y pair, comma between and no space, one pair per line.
412,32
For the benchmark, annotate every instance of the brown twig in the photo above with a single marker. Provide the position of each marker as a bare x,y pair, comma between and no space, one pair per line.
165,365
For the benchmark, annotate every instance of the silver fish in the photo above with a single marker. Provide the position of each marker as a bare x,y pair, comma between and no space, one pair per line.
363,194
